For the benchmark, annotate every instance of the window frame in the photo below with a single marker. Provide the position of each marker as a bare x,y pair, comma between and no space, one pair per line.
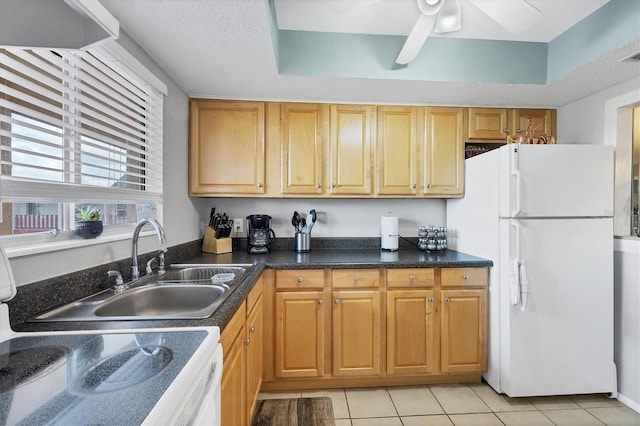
118,60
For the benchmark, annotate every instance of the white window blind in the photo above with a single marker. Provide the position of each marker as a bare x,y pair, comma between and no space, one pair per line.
75,127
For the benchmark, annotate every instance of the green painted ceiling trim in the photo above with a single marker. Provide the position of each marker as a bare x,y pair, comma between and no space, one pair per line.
614,25
441,59
273,29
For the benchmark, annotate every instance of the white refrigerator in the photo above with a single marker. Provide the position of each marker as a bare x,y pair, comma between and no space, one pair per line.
544,215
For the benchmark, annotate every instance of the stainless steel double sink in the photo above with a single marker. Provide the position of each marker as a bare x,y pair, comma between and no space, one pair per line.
183,291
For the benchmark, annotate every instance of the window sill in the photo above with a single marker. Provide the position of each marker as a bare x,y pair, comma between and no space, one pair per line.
69,243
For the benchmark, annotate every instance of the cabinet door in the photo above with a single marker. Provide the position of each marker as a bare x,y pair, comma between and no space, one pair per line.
444,151
299,334
488,124
351,134
254,336
302,138
542,121
397,159
410,331
222,136
356,333
463,331
233,387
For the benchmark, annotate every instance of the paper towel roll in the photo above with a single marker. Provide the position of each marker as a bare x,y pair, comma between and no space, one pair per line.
389,233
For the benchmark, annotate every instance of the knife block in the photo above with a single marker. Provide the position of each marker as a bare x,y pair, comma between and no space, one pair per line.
212,245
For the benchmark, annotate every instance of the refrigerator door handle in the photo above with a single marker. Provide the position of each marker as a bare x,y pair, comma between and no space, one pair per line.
524,287
515,171
518,176
515,268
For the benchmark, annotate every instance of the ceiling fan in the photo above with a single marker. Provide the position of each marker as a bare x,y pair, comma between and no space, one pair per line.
443,16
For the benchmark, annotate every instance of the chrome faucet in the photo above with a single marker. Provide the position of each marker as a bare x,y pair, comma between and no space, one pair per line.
135,271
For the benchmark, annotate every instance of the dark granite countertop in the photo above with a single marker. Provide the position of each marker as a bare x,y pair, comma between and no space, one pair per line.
277,259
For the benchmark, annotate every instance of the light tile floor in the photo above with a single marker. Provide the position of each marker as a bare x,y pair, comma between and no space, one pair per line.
476,405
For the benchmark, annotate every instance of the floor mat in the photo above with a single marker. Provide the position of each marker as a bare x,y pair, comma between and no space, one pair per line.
294,412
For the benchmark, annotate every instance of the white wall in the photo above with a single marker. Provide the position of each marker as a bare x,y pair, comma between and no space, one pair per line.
627,320
588,121
583,121
336,218
181,219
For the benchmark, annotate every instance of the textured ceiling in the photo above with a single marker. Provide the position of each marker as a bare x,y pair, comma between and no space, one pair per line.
223,49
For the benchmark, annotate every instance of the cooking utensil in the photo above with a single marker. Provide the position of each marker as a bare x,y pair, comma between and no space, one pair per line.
295,221
312,221
213,212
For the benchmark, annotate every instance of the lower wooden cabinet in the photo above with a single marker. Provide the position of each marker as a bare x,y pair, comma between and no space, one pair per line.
463,330
299,334
254,340
410,332
242,346
376,327
356,333
233,386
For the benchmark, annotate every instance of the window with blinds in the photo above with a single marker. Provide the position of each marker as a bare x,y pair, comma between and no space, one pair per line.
76,128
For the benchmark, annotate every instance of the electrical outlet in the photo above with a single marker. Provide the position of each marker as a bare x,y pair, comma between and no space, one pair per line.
238,223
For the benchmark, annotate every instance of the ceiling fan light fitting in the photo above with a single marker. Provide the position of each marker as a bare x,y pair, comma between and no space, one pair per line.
430,7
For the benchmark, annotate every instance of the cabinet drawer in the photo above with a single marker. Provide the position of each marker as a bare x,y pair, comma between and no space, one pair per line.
464,277
414,277
254,295
355,278
308,278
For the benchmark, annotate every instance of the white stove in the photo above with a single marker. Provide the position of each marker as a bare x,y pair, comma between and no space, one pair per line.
123,377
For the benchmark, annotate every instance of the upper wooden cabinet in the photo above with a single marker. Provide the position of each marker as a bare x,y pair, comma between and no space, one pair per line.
397,142
352,132
542,121
281,149
444,151
494,124
488,124
302,136
223,136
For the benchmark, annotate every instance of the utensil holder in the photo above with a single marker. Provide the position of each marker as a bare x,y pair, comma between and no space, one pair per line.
303,242
212,245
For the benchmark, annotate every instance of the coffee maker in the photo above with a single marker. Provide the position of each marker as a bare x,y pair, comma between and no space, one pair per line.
259,234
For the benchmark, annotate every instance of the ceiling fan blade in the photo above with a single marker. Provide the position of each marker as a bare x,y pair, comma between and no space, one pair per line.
449,19
514,15
416,39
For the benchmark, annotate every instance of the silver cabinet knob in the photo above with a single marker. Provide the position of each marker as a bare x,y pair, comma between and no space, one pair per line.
428,185
333,185
337,301
356,278
247,341
300,279
320,301
259,184
505,130
319,185
465,277
446,300
414,186
430,300
412,278
252,330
